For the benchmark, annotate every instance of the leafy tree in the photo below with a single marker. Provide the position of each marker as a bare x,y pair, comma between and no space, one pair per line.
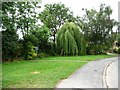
42,34
97,28
70,41
26,16
55,15
31,38
118,40
17,16
9,35
26,49
117,35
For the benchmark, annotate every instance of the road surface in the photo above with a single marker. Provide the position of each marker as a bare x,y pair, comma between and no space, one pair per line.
96,74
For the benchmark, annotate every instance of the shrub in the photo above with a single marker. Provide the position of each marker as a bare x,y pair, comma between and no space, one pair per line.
28,51
115,50
95,50
9,45
40,55
31,54
118,50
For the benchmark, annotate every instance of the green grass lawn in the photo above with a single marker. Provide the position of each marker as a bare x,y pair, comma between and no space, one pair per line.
81,58
41,74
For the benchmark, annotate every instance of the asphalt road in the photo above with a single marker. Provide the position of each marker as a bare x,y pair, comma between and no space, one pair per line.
96,74
111,75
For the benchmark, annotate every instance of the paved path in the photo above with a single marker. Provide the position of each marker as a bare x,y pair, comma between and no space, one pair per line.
111,75
95,74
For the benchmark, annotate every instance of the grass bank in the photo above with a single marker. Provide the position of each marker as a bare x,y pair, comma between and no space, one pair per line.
42,74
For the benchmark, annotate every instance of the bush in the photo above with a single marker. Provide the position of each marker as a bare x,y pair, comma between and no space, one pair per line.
31,38
31,54
28,51
9,45
115,50
95,50
118,51
40,55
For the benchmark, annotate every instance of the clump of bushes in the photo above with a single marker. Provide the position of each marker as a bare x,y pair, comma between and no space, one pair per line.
116,50
95,50
28,51
42,54
119,50
31,53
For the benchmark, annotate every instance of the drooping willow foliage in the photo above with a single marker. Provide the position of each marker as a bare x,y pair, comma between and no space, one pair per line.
70,41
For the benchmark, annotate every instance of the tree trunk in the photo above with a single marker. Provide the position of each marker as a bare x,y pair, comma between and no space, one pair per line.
61,52
27,26
54,40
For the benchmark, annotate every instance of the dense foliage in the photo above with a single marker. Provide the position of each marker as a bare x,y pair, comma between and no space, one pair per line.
16,17
97,27
90,34
9,36
70,40
42,34
55,15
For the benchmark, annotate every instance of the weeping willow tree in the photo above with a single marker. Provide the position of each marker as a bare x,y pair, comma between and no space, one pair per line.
70,41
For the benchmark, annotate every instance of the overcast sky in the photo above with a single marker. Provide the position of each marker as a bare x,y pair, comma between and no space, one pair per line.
77,5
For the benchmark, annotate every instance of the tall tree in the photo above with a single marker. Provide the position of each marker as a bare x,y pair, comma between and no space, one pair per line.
55,15
97,28
17,16
42,34
9,35
70,41
26,16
